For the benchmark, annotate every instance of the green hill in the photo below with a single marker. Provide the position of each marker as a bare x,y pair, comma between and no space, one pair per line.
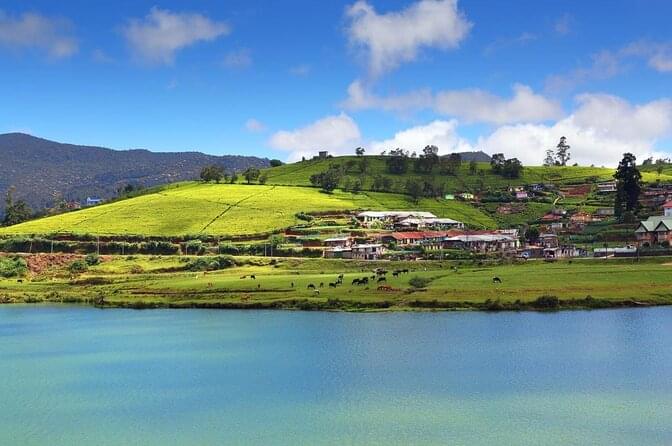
228,210
463,181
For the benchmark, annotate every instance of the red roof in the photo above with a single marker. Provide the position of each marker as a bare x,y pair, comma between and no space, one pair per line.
667,205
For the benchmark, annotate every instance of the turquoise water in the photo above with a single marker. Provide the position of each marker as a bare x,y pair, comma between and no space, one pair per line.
77,375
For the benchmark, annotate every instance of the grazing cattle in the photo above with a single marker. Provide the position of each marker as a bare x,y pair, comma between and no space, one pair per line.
311,286
20,280
245,297
209,284
355,281
243,277
258,286
395,274
321,284
364,280
292,284
496,280
382,279
332,285
373,277
317,292
340,276
253,277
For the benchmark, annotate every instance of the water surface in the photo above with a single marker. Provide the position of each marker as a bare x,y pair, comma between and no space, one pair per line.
78,375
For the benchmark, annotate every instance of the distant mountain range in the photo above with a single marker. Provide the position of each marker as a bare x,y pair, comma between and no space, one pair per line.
39,168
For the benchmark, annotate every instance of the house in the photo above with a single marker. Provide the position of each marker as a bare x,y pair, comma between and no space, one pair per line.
425,223
548,240
338,242
482,241
537,187
449,197
338,252
606,187
581,218
522,195
654,230
390,217
427,239
550,217
92,201
604,212
667,209
466,196
367,251
323,154
565,251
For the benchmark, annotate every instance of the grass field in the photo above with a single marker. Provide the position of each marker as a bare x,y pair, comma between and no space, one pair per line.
228,210
162,281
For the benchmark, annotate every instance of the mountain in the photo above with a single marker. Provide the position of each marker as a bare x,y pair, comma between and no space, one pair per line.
39,168
479,156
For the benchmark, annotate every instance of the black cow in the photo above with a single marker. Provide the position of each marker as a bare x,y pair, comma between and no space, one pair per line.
332,285
311,286
382,279
496,280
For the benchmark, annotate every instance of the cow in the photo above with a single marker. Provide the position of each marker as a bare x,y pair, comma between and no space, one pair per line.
253,277
364,281
292,284
332,285
243,277
395,274
316,292
340,276
356,282
20,280
311,286
321,284
382,279
496,280
209,284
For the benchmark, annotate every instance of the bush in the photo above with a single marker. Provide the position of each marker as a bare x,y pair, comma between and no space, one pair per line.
92,259
78,266
13,267
210,263
546,302
419,282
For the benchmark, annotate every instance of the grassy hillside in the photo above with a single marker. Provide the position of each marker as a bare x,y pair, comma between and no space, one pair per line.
463,181
228,210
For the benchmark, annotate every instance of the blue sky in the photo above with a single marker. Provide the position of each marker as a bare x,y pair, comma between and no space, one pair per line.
285,79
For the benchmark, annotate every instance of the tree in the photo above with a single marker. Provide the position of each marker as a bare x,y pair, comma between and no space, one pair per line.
327,180
473,166
414,189
562,151
532,234
397,161
359,151
276,163
427,160
233,178
451,164
263,178
15,211
628,187
381,184
363,164
212,173
251,174
497,163
549,160
512,168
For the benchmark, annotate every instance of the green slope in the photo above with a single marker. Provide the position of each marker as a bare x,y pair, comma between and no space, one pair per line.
228,210
463,181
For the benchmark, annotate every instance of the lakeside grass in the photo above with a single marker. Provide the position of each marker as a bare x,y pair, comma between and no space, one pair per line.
162,282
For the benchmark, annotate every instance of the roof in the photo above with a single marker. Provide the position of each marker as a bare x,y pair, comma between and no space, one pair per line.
367,245
650,224
417,235
415,221
667,205
397,214
337,239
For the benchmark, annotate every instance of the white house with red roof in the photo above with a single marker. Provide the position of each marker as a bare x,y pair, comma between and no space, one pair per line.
667,208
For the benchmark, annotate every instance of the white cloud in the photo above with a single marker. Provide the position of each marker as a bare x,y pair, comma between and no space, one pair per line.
604,65
393,38
480,106
254,126
157,38
442,134
238,59
657,54
563,25
34,31
471,105
338,134
600,130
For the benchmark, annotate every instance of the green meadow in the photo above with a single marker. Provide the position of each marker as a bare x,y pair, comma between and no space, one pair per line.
143,281
228,210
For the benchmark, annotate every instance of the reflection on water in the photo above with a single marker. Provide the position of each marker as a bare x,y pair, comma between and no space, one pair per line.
76,375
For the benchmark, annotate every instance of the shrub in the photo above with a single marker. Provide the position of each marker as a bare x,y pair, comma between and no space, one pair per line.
546,302
78,266
13,267
92,259
210,263
419,282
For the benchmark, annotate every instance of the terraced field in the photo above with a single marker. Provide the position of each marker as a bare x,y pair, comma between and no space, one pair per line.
228,210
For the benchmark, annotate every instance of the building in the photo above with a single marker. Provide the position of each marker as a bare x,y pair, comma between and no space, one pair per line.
427,239
92,201
323,154
654,230
466,196
548,240
606,187
667,209
367,251
338,253
482,241
390,217
428,223
338,242
522,195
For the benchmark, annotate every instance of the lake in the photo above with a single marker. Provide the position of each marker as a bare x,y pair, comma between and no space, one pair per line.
79,375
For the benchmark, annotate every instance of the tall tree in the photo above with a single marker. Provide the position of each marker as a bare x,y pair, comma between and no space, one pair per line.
212,173
562,151
359,151
473,167
549,160
251,174
451,164
497,163
414,189
15,211
397,161
628,187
